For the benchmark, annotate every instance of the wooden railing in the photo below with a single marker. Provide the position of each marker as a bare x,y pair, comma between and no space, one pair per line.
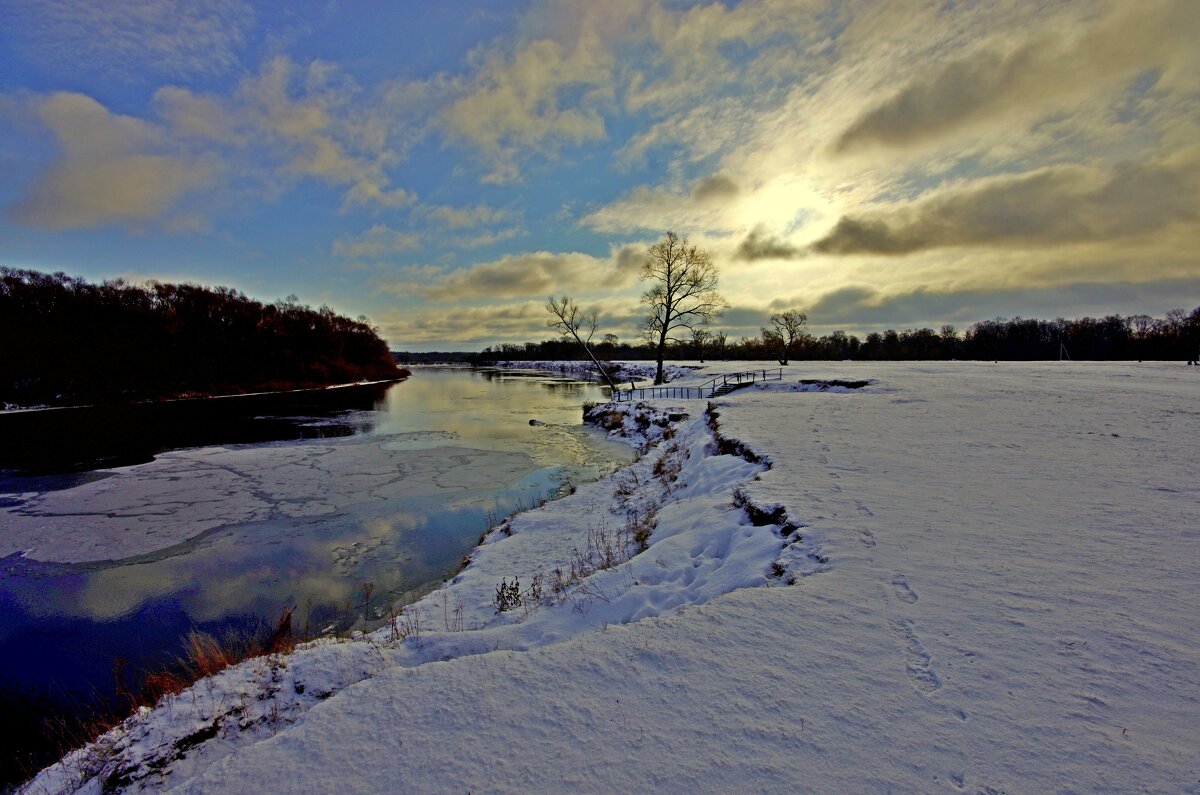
720,385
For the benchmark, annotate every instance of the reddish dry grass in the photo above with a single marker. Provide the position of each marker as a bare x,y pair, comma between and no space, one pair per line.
65,727
205,655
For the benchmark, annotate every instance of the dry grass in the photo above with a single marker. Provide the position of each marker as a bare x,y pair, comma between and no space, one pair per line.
205,655
67,726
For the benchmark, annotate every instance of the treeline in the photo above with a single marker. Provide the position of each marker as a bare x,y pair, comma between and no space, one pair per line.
1175,336
65,341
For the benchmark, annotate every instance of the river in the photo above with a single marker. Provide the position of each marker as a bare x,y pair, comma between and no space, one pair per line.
359,510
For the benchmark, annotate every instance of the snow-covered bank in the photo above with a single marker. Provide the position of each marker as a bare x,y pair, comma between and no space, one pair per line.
1004,600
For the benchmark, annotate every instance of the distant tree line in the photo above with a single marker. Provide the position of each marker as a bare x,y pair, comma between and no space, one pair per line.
1175,336
66,341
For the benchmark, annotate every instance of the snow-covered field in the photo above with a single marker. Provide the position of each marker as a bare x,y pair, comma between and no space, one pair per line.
963,577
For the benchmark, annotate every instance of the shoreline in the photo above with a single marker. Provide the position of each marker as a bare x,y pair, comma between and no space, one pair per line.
82,438
297,391
463,604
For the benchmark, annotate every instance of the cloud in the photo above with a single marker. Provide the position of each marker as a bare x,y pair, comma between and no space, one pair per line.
1025,78
860,307
706,206
299,122
314,128
1046,207
113,169
368,192
701,50
628,261
460,217
479,325
743,320
536,273
467,326
718,187
521,102
196,117
130,39
759,245
485,238
284,124
378,242
460,220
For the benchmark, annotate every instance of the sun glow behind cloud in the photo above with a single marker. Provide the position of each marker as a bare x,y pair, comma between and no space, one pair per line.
876,164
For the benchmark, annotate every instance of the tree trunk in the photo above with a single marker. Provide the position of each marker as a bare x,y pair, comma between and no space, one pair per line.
587,349
600,369
662,352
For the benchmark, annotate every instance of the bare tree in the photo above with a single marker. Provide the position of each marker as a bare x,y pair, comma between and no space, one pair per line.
789,327
1140,325
683,294
568,320
719,340
701,339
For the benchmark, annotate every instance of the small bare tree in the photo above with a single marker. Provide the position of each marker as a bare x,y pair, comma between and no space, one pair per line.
568,320
789,327
683,294
719,341
701,339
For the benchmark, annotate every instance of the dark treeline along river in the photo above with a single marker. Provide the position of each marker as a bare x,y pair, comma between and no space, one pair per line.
113,567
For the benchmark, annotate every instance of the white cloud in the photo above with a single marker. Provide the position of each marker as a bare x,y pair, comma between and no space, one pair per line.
516,102
284,124
113,169
486,238
378,242
462,217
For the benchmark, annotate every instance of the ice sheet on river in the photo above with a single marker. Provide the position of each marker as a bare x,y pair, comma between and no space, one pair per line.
183,493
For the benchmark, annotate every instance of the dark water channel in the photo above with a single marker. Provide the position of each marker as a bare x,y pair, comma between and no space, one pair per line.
393,494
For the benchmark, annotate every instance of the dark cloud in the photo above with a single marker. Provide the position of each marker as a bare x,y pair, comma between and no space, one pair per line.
860,308
466,324
537,273
958,93
522,275
629,260
759,245
718,187
1004,80
744,316
844,305
1054,206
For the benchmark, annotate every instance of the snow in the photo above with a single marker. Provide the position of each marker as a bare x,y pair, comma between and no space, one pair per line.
994,573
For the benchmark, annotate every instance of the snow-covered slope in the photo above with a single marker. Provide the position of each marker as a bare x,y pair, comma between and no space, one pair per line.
994,573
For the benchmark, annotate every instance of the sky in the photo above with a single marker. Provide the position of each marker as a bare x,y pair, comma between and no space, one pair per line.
443,168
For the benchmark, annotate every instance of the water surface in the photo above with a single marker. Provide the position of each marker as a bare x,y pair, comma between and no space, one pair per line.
226,537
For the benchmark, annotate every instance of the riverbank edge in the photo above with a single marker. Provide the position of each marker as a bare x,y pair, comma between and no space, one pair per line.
145,745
